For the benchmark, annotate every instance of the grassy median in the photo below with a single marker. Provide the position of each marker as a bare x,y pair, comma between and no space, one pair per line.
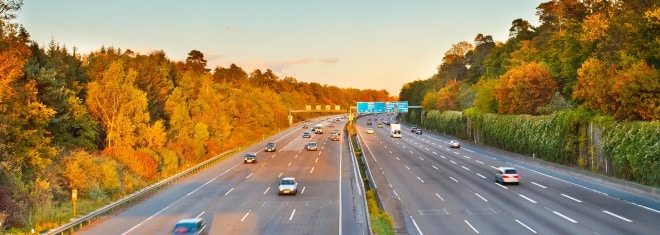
381,222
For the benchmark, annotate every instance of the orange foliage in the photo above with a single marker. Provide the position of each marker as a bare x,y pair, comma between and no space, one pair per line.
448,96
140,163
524,88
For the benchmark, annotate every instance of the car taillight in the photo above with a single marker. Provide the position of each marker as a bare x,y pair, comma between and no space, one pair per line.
505,176
516,176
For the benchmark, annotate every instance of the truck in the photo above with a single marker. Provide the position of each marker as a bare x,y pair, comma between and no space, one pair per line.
395,129
318,129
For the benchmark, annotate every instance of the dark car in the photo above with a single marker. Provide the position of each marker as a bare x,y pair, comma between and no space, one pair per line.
189,227
418,131
270,147
250,158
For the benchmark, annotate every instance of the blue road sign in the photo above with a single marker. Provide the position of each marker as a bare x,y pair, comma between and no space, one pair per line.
382,107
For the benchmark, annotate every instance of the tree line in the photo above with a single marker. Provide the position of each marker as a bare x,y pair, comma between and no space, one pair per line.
598,55
112,121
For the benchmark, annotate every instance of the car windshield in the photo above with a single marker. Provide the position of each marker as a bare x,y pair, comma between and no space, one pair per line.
511,171
287,182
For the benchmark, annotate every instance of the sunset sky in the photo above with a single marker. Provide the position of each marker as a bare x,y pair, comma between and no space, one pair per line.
368,44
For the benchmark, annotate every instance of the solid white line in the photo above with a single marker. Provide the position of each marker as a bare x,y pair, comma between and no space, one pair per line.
524,225
268,189
537,184
528,199
618,216
227,193
417,227
245,216
565,217
569,197
482,198
468,223
292,213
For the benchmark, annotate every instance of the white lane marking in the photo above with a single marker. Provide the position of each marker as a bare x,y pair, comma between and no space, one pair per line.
200,214
227,193
493,167
524,225
292,213
456,152
537,184
248,176
317,160
452,161
504,187
320,152
565,217
482,198
303,191
480,162
618,216
526,198
468,223
572,198
407,167
410,151
311,171
420,179
435,153
435,167
417,227
245,216
438,195
397,158
465,156
465,168
452,178
268,189
481,175
443,157
421,158
295,156
280,175
289,164
395,194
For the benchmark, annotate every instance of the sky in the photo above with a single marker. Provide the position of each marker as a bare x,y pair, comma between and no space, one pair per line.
363,44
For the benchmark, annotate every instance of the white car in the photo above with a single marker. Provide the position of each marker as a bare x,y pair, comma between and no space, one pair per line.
288,185
505,175
454,144
370,130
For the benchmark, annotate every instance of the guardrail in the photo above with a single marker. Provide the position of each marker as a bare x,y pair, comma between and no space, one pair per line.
361,182
80,222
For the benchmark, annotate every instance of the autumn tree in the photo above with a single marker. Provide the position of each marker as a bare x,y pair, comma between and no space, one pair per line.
448,97
522,89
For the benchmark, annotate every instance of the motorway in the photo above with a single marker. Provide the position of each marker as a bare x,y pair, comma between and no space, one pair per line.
429,188
237,198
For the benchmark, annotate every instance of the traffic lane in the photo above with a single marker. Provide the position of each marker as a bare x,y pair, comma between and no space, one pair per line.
448,210
487,218
425,198
602,205
599,216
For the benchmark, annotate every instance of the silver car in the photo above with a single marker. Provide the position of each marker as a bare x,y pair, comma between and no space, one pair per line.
288,185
